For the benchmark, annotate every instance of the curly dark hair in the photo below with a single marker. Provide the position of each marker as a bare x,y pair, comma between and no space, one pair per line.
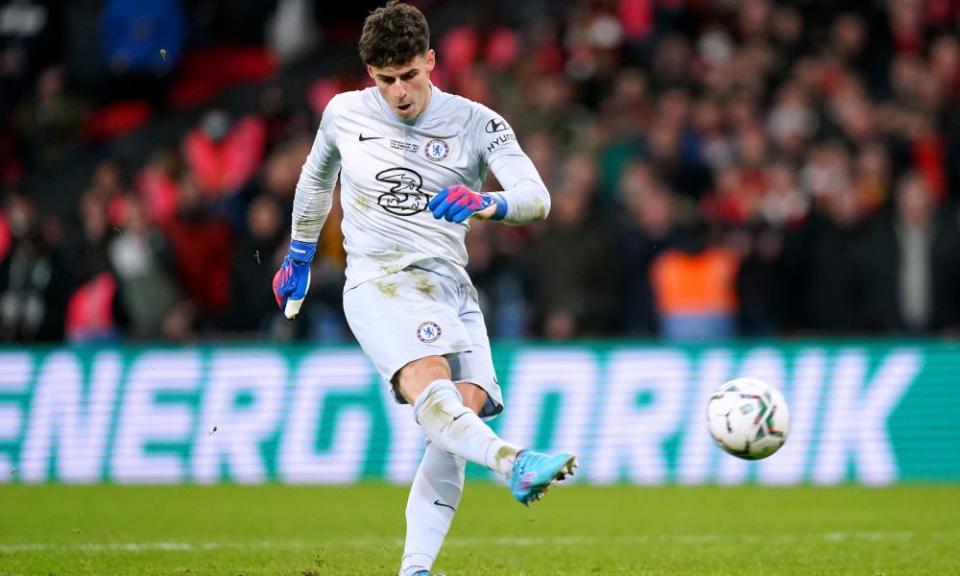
393,35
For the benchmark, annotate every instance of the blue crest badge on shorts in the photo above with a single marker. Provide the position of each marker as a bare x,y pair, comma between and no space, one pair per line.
429,332
436,150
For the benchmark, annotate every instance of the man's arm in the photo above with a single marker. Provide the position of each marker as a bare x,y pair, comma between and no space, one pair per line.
311,205
524,197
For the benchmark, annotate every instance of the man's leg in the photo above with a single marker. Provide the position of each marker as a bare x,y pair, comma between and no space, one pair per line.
435,496
440,411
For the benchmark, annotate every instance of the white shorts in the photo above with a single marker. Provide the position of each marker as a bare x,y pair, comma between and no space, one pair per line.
424,310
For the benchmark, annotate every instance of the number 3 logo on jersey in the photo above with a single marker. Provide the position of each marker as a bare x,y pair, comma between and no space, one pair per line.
405,198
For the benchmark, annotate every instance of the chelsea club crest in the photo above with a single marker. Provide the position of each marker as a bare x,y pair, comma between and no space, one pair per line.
429,332
436,150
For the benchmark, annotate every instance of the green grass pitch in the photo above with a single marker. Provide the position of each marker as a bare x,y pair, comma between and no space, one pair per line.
313,531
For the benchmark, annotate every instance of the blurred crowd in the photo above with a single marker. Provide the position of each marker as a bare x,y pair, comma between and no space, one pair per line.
718,168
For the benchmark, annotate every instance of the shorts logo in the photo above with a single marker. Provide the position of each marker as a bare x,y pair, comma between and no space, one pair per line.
429,332
436,150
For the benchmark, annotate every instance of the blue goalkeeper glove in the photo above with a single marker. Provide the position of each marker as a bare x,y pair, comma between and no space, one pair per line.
457,203
292,280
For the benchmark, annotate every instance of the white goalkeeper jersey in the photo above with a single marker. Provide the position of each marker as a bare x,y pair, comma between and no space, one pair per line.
389,169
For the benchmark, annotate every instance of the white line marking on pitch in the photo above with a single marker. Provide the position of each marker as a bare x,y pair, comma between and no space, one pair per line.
151,546
379,542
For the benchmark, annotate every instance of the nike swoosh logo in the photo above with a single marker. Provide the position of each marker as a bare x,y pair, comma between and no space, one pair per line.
439,503
455,418
365,138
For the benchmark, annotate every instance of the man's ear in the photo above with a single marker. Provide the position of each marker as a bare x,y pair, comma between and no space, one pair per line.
370,71
431,60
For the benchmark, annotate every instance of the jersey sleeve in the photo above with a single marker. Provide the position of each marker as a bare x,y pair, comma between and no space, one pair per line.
314,195
524,197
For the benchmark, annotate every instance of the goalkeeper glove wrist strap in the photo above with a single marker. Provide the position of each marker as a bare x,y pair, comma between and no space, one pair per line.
302,251
501,212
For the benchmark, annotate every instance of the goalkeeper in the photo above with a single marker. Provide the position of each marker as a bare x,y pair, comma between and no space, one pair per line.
410,157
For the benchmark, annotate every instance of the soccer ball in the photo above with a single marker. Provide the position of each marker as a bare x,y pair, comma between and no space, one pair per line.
748,418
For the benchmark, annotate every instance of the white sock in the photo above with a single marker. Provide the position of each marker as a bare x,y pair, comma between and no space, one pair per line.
434,498
457,429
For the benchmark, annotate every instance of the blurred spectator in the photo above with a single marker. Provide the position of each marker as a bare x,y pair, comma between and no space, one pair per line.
499,283
694,285
108,185
91,240
202,244
913,265
549,106
945,66
671,62
593,41
824,266
33,279
783,203
873,176
668,145
281,170
792,121
157,187
625,114
571,261
291,31
280,121
30,36
647,228
142,260
49,123
92,313
759,283
223,155
542,150
260,248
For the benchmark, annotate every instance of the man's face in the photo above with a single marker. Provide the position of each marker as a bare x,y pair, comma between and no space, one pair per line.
406,88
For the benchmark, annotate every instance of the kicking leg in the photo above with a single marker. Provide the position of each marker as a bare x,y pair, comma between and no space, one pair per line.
440,411
435,496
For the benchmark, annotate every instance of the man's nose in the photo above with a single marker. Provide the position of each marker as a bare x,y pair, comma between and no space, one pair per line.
399,90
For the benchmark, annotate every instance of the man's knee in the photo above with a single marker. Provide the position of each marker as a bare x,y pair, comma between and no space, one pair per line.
415,376
474,397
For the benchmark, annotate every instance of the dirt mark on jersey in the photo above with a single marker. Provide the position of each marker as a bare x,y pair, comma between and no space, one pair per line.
388,289
425,286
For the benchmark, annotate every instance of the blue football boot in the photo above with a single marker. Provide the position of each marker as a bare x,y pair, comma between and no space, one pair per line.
534,472
424,573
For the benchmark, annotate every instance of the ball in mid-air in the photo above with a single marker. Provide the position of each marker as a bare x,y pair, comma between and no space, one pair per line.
748,418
